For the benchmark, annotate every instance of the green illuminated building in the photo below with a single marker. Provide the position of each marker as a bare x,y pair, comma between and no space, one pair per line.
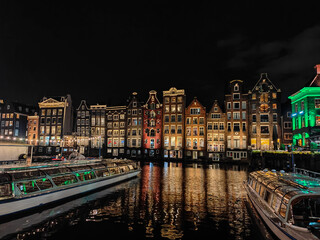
306,114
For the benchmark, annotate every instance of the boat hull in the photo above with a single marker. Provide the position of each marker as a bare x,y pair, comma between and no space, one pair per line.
26,203
277,230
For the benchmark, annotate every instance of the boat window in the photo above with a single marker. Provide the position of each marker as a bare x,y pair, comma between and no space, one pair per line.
5,190
257,188
253,182
262,190
130,167
114,170
27,187
282,210
44,183
98,166
275,202
27,175
5,178
124,169
268,197
102,172
53,171
306,210
79,168
64,180
84,176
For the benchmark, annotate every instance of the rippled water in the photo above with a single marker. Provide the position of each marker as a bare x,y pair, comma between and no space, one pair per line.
168,201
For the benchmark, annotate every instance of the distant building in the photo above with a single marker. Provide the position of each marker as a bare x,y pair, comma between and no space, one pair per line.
98,129
134,127
305,106
195,130
216,122
56,121
83,126
265,113
152,127
14,121
173,123
33,129
236,105
116,131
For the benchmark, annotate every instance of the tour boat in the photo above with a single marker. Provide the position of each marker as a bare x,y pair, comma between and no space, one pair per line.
289,203
26,188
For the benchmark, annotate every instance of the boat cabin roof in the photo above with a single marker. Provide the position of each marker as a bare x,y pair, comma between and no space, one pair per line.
287,185
39,171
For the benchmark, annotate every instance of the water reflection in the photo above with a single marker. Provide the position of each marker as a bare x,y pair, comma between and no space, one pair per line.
170,200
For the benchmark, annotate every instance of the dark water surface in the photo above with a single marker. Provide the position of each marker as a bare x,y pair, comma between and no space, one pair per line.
168,201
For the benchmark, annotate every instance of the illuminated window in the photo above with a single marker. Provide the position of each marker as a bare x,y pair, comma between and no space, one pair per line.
274,106
264,107
264,97
274,95
254,96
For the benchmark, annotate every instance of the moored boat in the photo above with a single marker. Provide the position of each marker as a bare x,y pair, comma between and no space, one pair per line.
27,188
289,203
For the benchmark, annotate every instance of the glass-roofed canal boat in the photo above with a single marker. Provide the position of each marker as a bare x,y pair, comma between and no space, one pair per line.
289,203
26,188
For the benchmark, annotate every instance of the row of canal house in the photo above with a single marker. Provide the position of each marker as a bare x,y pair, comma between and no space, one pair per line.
171,129
247,120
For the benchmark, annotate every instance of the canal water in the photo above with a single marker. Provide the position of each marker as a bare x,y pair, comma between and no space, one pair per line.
168,201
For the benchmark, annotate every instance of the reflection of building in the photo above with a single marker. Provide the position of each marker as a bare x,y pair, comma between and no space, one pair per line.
83,127
152,126
116,131
134,127
195,130
98,129
265,112
33,129
173,123
56,120
216,122
236,102
306,114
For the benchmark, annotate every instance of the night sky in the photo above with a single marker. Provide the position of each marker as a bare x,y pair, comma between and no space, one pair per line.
102,53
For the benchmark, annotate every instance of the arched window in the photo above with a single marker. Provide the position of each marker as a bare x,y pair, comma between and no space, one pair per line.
236,87
264,97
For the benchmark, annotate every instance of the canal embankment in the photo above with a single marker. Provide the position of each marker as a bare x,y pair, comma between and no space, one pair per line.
283,160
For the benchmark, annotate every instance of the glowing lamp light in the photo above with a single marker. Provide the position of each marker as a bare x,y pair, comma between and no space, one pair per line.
293,114
301,112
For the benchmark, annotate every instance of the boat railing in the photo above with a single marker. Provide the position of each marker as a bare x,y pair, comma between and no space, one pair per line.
307,172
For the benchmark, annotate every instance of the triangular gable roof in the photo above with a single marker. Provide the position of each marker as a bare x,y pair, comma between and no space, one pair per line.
264,76
216,104
196,100
50,100
83,102
316,81
154,93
